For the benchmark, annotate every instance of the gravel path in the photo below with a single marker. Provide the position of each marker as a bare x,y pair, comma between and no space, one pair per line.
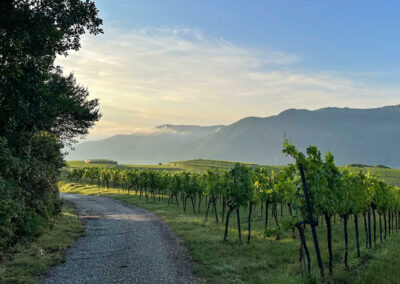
123,244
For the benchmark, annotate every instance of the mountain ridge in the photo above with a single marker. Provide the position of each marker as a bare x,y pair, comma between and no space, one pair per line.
365,136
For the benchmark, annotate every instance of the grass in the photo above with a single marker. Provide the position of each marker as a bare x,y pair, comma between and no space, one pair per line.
391,176
384,267
264,260
26,263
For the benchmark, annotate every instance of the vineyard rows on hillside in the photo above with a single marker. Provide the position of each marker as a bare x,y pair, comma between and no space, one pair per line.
252,193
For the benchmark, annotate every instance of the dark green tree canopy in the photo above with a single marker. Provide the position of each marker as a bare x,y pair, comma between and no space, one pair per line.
41,109
34,94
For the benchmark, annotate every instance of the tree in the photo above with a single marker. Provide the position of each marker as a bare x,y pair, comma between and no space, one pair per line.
263,185
41,110
214,187
316,181
35,96
238,193
333,198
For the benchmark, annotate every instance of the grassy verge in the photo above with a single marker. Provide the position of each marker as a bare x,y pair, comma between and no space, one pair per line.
26,263
264,260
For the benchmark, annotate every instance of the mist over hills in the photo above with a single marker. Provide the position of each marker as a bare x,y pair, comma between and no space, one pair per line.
368,136
144,147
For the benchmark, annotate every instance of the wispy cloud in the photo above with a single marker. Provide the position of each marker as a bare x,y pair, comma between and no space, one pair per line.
154,76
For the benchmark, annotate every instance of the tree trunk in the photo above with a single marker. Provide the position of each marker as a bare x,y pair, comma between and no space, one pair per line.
380,227
304,244
227,223
223,208
193,204
215,210
261,210
374,220
249,233
384,220
346,242
329,238
208,208
266,214
392,221
357,234
276,214
199,205
369,229
238,223
184,203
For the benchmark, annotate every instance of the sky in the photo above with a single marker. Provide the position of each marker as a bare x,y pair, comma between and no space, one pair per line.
214,62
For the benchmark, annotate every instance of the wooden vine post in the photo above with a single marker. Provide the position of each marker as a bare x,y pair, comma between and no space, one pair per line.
311,221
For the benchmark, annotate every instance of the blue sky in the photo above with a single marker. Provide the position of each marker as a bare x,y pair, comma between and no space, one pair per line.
212,62
354,36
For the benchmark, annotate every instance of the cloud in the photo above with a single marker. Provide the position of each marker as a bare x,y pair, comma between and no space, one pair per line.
153,76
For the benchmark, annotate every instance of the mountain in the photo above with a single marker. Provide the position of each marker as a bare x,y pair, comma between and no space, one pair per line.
367,136
144,147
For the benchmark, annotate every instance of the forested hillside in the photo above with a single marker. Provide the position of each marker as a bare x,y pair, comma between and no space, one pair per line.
367,136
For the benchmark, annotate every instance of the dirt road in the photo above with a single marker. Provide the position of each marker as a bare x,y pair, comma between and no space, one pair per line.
123,244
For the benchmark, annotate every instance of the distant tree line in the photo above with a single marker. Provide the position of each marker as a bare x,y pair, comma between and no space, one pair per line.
101,161
357,165
41,109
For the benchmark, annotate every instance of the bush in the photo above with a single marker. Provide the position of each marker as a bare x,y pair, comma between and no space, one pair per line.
11,205
28,202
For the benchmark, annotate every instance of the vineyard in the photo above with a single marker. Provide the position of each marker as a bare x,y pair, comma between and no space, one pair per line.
338,219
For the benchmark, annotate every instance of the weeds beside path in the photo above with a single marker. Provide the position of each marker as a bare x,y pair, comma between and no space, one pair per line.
27,262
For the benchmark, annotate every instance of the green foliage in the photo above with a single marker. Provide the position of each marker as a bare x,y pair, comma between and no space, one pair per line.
333,193
240,191
273,231
289,222
101,161
41,110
